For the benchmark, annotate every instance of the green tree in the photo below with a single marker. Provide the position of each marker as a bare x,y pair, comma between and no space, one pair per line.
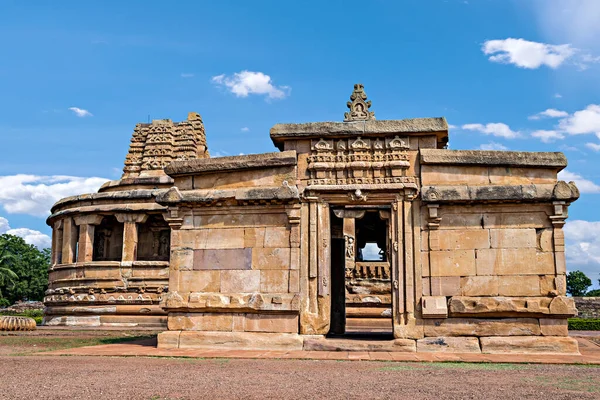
28,268
577,283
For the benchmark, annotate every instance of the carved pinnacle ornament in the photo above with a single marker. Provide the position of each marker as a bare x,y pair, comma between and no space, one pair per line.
359,106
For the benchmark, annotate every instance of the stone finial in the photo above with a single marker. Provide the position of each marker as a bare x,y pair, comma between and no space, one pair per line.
358,105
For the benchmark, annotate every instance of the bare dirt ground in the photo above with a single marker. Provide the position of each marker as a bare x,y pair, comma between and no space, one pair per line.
159,378
26,373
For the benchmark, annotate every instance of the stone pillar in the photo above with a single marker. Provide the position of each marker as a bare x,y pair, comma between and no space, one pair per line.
69,241
130,234
349,229
87,225
57,242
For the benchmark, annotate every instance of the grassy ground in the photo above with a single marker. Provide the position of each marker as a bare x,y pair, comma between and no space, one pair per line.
27,343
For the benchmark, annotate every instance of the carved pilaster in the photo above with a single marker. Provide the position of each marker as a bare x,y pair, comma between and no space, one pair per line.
558,221
130,234
85,245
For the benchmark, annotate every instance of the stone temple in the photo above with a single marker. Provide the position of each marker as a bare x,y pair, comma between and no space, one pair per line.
363,225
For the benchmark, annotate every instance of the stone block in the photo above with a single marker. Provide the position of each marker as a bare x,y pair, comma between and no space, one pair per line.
506,261
277,237
240,341
425,263
529,345
445,285
233,281
464,239
221,322
547,285
274,281
271,258
426,286
452,263
519,285
481,327
521,176
461,221
232,238
168,340
544,264
506,220
434,307
544,238
560,282
425,240
280,323
479,286
447,344
498,306
564,306
320,343
216,259
254,237
554,326
199,281
454,175
512,238
294,286
182,259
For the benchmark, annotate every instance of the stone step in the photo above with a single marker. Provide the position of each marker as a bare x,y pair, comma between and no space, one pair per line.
351,343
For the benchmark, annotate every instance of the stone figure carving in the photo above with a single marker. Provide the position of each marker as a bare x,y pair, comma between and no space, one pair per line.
359,106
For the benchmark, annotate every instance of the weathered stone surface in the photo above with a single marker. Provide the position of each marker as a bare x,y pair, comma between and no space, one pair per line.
281,323
271,258
519,285
455,239
434,307
529,345
452,263
512,238
509,158
479,286
201,322
274,281
554,326
240,281
482,327
321,343
221,164
498,306
200,281
223,259
562,305
446,344
240,340
445,285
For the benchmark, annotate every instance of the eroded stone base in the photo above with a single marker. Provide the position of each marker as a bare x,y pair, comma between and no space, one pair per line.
230,340
107,321
529,345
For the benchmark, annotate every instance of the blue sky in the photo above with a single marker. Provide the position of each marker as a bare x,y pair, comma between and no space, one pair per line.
75,77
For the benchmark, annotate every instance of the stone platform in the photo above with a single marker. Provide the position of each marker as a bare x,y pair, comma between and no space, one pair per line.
590,354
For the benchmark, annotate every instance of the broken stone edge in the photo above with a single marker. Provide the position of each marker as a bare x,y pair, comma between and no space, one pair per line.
496,158
561,191
231,163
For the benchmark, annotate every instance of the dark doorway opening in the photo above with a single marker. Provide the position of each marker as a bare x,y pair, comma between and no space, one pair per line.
360,274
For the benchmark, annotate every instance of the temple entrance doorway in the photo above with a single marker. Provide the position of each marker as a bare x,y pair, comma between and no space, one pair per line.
361,301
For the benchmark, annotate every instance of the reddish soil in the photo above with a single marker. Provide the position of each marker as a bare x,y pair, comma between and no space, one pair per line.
62,377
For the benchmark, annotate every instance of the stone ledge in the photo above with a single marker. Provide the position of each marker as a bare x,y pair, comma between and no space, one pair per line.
554,160
174,196
340,129
230,340
231,163
529,345
560,191
320,343
499,306
136,194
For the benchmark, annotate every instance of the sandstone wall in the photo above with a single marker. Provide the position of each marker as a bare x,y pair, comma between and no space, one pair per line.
588,307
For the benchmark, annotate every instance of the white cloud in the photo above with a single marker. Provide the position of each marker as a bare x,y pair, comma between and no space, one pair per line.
584,185
493,146
34,195
80,112
583,121
526,54
36,238
593,146
547,136
495,129
583,247
186,75
557,96
549,113
245,129
245,83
